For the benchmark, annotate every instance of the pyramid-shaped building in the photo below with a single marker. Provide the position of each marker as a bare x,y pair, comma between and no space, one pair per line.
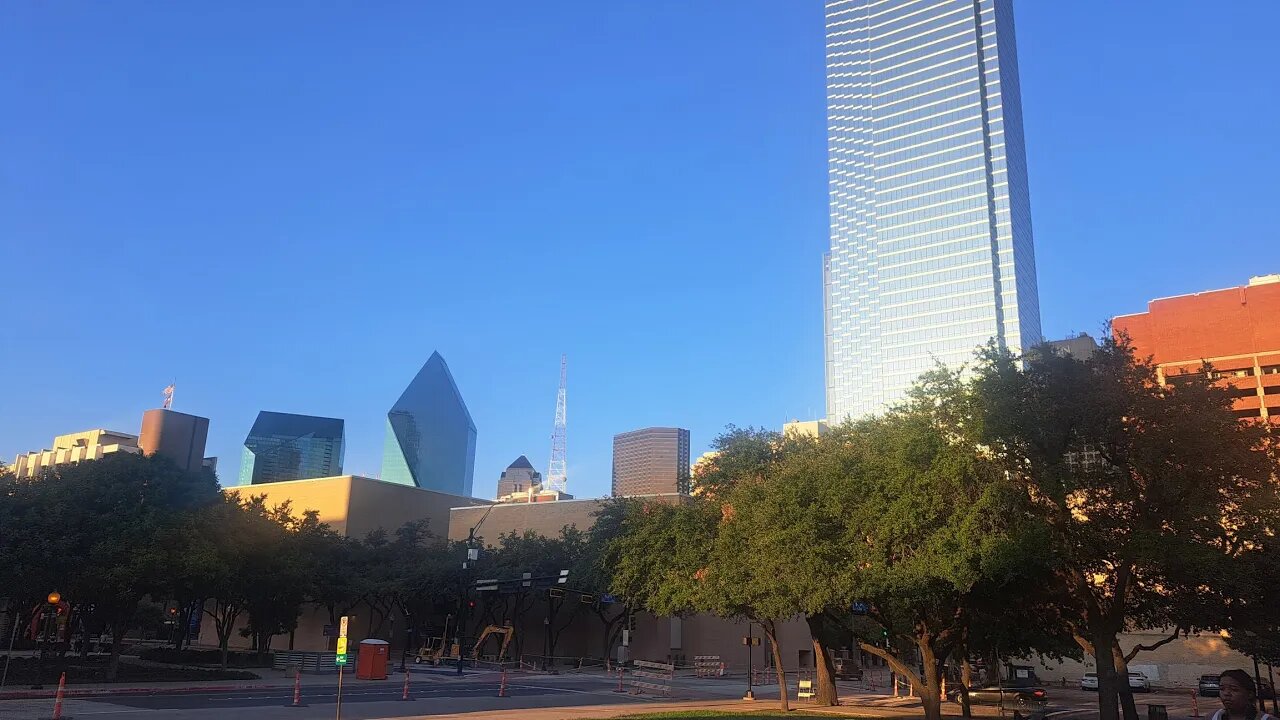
431,439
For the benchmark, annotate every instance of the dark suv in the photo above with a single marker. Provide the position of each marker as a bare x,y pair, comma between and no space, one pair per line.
1208,686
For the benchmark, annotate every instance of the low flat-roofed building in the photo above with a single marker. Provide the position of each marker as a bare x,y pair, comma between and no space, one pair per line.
356,506
73,448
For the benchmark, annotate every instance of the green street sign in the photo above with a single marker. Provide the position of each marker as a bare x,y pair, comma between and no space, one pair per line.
340,660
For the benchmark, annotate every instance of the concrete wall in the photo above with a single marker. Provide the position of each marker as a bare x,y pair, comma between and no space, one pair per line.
177,436
1178,664
355,506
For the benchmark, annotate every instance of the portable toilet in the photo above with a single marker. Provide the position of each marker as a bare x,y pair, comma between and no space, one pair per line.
371,664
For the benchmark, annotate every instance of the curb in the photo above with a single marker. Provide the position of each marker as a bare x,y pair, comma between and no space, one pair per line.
172,690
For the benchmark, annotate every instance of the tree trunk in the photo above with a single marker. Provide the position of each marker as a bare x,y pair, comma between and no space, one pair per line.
1107,680
784,698
993,667
931,690
966,681
825,670
825,673
1125,693
113,663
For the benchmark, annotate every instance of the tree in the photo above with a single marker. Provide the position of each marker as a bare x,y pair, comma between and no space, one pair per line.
1149,489
97,531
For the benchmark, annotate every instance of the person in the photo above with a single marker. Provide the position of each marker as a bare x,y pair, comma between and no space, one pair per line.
1239,696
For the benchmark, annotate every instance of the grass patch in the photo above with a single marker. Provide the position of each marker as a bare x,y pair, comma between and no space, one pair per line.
722,715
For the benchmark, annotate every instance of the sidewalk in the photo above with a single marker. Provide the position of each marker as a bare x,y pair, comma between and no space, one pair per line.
599,712
270,679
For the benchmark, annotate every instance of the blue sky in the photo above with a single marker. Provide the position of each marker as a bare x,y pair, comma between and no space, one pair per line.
288,206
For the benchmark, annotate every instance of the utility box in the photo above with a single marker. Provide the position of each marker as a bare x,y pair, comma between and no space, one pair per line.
371,664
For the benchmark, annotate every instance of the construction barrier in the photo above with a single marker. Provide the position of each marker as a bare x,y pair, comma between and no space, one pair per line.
652,676
705,666
297,689
57,702
309,662
804,691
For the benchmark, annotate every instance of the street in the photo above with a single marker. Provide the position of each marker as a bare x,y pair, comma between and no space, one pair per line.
438,694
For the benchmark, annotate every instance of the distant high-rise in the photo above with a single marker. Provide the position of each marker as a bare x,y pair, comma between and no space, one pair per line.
284,446
651,461
931,249
518,477
431,439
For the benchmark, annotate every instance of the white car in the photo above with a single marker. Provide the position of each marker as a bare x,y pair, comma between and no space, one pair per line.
1089,681
1138,681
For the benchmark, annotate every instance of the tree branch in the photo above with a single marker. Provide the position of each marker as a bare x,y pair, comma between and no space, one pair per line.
893,661
1148,648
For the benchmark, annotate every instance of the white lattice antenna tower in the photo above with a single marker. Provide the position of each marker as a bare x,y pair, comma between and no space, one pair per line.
556,478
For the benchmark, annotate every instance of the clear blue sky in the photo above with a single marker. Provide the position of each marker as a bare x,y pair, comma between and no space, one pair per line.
288,206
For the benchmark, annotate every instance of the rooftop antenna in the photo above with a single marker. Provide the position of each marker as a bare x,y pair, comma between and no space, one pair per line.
168,395
557,479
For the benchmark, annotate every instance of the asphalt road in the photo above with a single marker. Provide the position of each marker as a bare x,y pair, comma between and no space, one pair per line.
360,701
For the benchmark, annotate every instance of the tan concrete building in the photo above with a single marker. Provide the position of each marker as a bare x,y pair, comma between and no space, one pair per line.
177,436
74,448
806,428
354,506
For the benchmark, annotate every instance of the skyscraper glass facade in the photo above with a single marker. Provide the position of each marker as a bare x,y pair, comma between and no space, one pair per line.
431,439
931,248
284,446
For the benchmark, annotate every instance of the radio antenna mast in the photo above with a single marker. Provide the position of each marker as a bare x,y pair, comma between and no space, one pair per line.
557,478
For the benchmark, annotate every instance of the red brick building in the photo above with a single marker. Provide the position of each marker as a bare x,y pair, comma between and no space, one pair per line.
1237,330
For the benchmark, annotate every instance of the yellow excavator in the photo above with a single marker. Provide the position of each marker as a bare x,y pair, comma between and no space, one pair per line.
506,631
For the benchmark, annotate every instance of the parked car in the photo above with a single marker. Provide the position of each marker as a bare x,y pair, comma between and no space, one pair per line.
1031,697
847,669
1138,681
1089,681
1208,686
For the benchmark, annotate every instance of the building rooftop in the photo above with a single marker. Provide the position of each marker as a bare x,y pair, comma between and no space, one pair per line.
288,424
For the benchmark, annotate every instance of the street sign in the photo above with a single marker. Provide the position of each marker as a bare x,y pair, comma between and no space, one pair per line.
750,640
861,608
330,631
341,658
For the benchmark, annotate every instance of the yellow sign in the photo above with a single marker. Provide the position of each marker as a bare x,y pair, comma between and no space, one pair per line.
342,646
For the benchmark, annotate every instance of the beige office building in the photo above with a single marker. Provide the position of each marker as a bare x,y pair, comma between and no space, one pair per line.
74,448
652,461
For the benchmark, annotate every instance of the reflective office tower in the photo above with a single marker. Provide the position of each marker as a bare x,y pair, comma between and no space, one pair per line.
431,440
284,446
931,251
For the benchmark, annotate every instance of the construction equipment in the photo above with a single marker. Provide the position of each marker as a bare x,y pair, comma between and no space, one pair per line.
434,651
506,631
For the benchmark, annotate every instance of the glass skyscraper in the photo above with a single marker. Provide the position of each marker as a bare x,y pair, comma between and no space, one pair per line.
431,440
284,446
931,250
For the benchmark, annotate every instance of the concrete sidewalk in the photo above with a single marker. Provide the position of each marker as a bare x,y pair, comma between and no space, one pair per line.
270,679
851,706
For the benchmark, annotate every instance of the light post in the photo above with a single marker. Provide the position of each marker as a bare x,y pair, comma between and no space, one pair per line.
49,611
749,641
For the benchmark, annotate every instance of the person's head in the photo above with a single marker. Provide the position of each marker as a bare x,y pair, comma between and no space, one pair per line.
1237,692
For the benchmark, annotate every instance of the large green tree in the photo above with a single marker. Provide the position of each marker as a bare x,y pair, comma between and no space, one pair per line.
1150,489
101,533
